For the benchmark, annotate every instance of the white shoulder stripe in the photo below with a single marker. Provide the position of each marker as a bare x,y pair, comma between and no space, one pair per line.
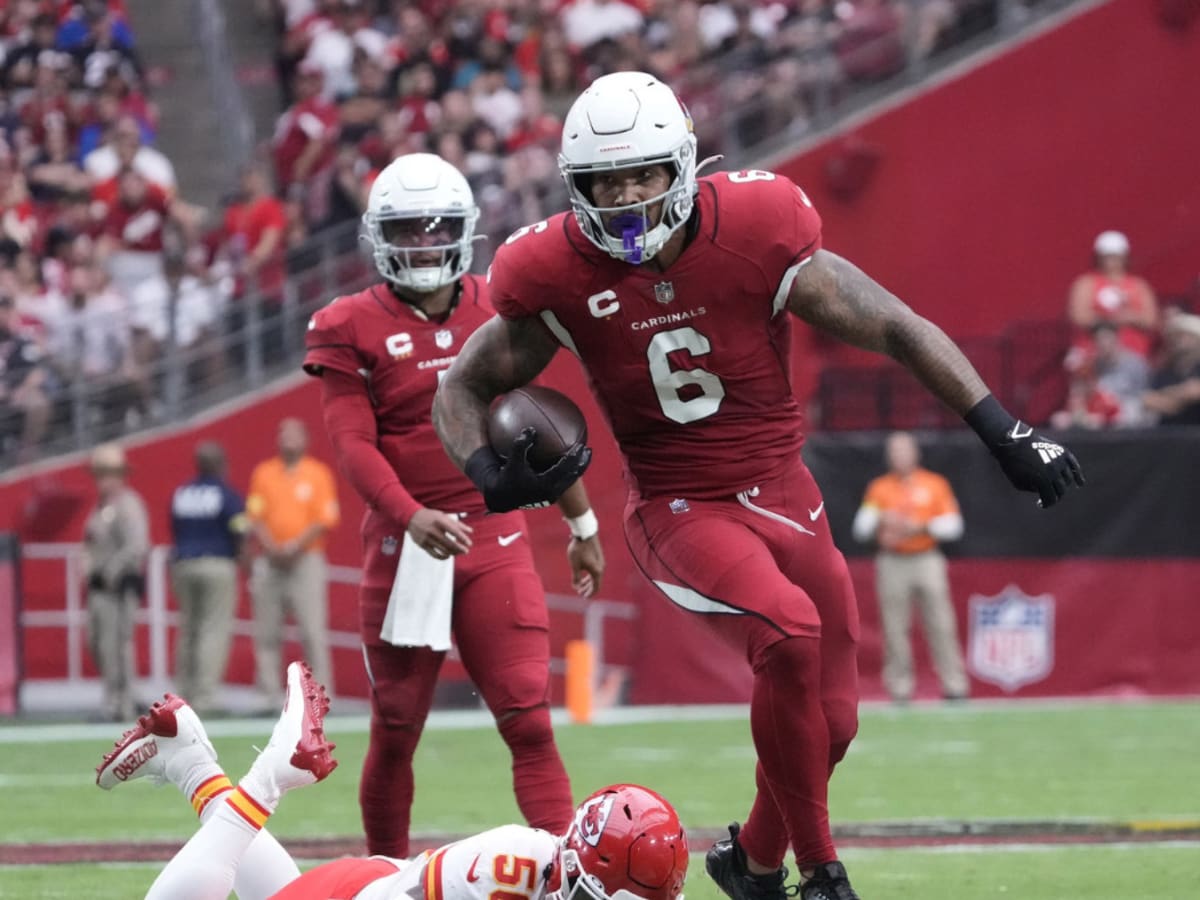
785,286
557,329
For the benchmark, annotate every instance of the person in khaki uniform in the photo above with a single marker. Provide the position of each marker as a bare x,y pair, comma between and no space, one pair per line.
116,542
207,523
908,512
291,505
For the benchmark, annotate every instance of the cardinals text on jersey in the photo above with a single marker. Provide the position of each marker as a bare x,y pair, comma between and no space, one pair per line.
690,365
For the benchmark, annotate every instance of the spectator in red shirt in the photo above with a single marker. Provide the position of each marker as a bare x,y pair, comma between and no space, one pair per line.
133,225
254,236
305,141
1109,293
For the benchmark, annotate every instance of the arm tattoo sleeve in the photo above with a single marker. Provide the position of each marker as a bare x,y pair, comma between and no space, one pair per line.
836,296
502,355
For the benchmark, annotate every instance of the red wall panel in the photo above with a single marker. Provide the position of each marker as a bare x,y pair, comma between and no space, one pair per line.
990,188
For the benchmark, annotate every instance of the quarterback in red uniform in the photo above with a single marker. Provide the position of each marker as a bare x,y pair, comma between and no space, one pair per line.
433,562
677,294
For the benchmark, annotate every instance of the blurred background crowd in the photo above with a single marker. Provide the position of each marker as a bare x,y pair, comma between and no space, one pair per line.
107,274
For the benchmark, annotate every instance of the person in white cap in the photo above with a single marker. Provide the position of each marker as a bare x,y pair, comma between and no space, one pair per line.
1109,293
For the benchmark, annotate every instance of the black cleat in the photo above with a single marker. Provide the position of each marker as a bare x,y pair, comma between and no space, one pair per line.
726,865
829,882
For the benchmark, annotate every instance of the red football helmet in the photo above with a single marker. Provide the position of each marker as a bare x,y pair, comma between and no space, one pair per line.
625,843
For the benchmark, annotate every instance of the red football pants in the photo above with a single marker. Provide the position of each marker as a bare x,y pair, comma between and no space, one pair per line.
762,568
501,628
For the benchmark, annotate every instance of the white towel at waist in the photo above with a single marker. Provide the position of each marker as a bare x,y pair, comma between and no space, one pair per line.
418,612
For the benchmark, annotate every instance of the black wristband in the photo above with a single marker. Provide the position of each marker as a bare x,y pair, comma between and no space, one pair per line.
481,464
991,421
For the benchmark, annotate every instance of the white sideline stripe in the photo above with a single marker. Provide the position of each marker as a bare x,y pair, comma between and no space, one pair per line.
1047,847
461,720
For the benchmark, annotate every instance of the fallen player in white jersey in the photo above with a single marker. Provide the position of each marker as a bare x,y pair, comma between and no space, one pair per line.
625,842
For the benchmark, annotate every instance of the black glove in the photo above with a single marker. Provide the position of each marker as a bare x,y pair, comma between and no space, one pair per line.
515,484
1031,461
96,582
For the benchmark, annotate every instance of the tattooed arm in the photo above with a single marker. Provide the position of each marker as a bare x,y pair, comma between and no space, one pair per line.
502,355
836,296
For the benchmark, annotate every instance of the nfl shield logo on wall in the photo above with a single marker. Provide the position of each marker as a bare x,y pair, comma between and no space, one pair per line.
1011,638
664,292
443,338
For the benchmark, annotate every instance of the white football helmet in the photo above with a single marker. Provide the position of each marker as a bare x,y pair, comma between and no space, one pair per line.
622,120
420,222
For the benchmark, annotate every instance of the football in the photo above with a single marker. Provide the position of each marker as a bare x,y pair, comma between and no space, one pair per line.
558,421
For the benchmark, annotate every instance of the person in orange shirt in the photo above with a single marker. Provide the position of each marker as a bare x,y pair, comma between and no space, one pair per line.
291,505
908,512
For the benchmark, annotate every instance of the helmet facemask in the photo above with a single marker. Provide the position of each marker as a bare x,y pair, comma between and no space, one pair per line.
422,251
631,234
577,884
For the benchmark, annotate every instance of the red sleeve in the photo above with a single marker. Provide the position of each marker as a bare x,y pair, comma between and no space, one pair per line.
350,423
507,277
774,221
329,342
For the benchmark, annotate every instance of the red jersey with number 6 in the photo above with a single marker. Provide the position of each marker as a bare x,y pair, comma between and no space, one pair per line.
401,354
690,365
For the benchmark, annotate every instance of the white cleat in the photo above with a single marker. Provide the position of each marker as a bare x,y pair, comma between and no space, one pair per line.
297,753
166,741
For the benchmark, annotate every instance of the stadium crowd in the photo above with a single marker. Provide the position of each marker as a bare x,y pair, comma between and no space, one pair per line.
97,248
485,83
94,239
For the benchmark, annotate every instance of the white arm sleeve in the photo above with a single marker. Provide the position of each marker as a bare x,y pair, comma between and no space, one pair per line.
946,527
866,523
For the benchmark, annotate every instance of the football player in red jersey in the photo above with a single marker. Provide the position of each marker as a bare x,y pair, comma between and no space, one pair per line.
433,562
675,293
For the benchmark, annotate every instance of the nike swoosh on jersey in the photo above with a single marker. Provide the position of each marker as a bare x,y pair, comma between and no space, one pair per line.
814,514
471,876
505,539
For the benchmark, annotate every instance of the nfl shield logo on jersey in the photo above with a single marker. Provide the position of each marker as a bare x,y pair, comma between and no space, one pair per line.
664,292
443,338
389,546
1011,638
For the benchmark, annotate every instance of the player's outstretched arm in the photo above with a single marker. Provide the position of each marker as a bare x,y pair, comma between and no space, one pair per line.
836,296
502,355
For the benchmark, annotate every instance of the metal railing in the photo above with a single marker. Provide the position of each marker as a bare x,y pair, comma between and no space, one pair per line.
159,619
261,338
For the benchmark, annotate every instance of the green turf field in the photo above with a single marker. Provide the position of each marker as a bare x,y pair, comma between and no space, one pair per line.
1106,761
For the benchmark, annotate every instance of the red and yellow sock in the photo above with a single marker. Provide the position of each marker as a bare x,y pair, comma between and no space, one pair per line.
249,809
210,789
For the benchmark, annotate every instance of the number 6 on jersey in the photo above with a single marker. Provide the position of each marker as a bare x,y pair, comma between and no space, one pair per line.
669,383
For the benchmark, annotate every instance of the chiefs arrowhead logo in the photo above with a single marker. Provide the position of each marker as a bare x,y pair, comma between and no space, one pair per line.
591,818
